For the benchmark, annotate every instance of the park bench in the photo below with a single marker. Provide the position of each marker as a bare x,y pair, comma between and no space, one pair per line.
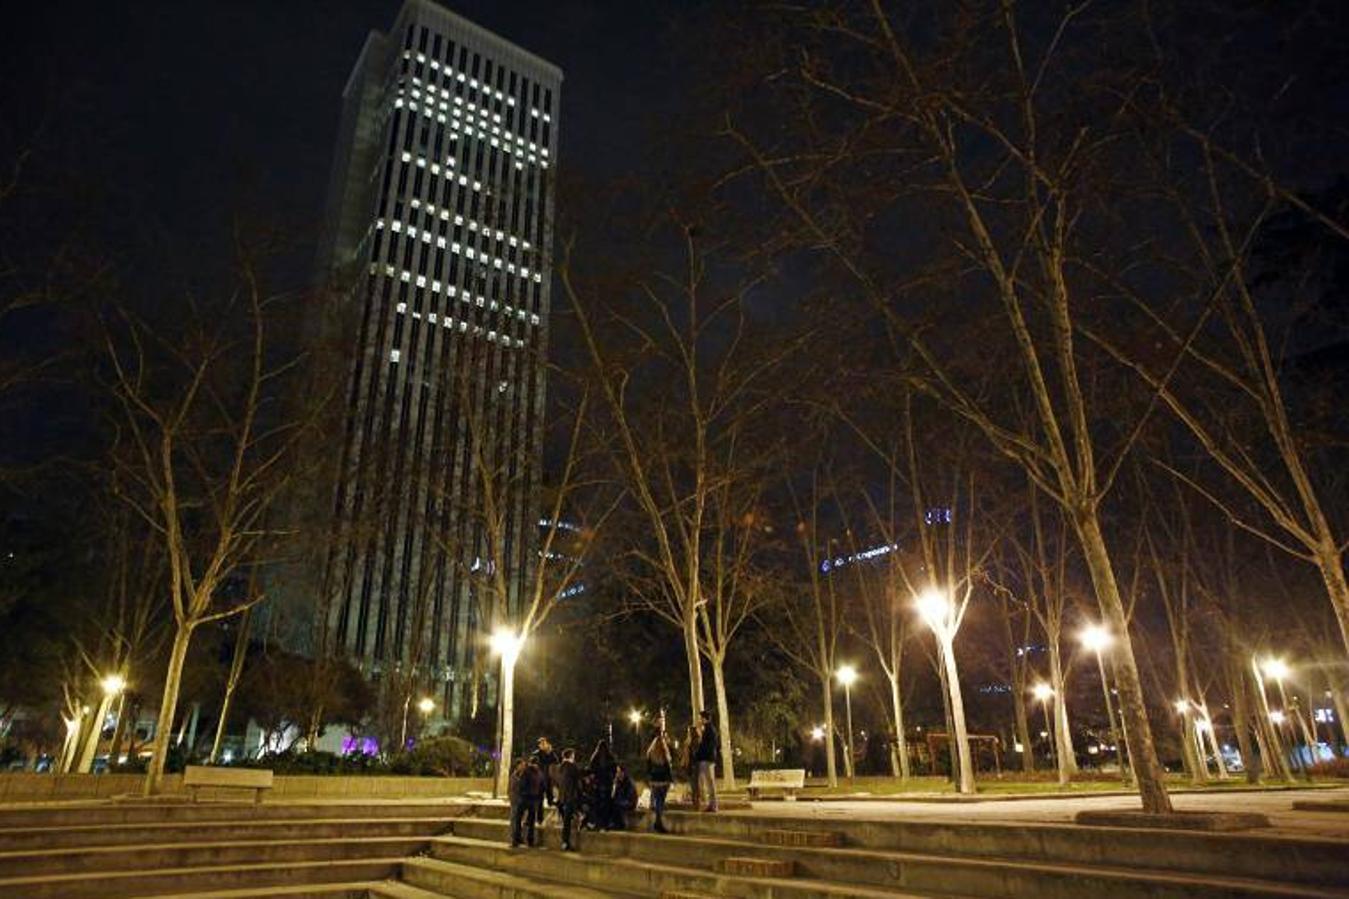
197,776
788,781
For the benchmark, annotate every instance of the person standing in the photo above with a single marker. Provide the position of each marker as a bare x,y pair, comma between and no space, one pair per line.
688,765
625,799
602,767
526,788
546,758
706,758
659,777
566,779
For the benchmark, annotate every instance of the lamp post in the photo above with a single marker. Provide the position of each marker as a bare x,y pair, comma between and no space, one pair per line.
112,685
635,716
943,617
1098,639
1043,692
1278,670
506,644
1268,721
846,675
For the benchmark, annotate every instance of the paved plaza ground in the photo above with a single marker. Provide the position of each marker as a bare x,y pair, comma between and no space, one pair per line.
1277,805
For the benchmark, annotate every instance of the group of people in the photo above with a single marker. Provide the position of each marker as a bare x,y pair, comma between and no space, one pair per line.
603,792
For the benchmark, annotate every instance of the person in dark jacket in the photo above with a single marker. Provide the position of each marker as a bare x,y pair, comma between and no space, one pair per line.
706,757
624,800
659,777
546,758
688,765
601,769
566,778
526,787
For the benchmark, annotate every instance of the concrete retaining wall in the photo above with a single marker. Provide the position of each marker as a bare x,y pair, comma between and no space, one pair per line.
28,787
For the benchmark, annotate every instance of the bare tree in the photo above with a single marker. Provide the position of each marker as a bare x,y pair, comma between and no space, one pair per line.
971,128
671,407
210,453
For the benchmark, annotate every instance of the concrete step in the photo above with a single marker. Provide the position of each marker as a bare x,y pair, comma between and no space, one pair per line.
71,836
816,838
397,889
757,867
108,812
1278,858
639,877
922,873
266,878
467,881
360,890
154,857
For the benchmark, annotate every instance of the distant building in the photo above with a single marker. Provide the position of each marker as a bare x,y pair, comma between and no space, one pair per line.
440,221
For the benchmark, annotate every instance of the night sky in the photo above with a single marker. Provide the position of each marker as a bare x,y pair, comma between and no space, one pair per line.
182,117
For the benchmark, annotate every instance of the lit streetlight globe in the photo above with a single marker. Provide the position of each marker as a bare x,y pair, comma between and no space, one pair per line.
1042,691
506,643
1276,716
934,607
847,675
1182,706
113,684
817,733
635,716
1275,668
427,705
1095,638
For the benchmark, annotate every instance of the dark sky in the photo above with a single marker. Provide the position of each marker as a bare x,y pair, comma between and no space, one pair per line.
180,116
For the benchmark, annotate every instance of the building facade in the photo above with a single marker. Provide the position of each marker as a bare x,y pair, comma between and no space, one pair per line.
439,233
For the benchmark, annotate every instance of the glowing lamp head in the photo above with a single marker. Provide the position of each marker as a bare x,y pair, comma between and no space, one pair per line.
1275,668
847,675
1182,705
1042,691
934,607
817,733
635,716
506,643
1203,725
1096,638
426,705
1276,716
113,684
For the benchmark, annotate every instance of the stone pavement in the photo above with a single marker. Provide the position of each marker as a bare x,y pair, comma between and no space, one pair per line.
1277,805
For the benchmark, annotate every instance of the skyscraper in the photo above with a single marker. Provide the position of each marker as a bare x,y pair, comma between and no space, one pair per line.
439,230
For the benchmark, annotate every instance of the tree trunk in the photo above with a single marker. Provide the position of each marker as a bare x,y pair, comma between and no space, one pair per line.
695,661
901,753
724,723
1138,730
1193,766
965,779
830,760
1274,757
1341,708
118,731
168,707
95,735
501,787
1022,728
1241,721
232,683
1331,563
1062,735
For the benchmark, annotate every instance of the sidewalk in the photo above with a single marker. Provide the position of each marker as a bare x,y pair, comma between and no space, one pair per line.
1277,805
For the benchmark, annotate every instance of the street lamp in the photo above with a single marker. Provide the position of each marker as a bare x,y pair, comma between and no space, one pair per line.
943,617
112,685
635,716
507,644
1278,670
1043,692
1097,638
817,733
426,705
847,675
